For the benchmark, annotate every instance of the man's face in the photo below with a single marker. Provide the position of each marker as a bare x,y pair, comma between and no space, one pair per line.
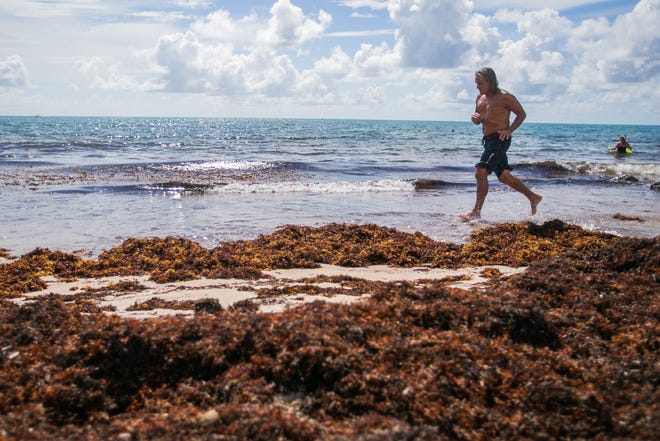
482,85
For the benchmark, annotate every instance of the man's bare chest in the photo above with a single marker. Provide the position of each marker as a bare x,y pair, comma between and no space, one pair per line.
491,105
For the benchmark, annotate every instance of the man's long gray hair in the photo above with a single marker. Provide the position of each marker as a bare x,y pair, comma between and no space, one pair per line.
488,75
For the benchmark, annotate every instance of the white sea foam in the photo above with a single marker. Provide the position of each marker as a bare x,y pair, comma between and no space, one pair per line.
382,185
643,171
224,165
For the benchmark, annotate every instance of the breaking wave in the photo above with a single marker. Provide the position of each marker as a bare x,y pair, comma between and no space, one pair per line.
382,185
552,169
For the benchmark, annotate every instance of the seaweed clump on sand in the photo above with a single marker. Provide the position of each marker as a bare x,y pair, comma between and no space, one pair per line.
296,246
565,350
172,259
523,244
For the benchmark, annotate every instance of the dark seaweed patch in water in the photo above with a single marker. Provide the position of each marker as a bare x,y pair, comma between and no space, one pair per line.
90,189
161,187
548,169
178,186
426,184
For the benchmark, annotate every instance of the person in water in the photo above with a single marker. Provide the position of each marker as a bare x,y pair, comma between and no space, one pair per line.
493,111
622,147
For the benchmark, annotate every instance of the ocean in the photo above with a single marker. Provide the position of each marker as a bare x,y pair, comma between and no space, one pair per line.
84,185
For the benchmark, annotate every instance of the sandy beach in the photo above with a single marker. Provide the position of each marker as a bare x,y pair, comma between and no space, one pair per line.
175,297
337,332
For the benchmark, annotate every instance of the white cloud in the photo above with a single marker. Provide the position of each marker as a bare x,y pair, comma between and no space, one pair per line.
482,39
421,55
338,65
375,61
13,72
41,9
269,74
362,15
229,56
112,76
219,26
371,4
533,4
161,15
193,66
369,33
532,69
371,95
545,24
429,31
620,56
191,4
436,96
534,64
288,26
240,56
634,45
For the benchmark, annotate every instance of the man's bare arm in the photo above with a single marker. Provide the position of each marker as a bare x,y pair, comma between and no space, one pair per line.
514,106
476,116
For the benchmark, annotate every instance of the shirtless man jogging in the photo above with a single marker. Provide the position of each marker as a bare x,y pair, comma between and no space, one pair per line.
493,111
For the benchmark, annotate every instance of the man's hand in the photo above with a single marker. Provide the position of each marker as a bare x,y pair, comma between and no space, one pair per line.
476,118
504,134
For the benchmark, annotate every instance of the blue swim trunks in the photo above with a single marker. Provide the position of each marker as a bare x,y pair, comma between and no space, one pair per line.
494,157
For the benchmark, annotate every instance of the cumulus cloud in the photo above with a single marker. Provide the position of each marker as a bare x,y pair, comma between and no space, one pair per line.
535,62
546,24
539,4
288,26
551,56
539,57
481,36
430,31
433,49
192,66
371,95
629,53
235,56
111,76
270,74
13,72
338,65
373,61
220,27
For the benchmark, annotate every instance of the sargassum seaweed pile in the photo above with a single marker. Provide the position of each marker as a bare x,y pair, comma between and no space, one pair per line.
564,350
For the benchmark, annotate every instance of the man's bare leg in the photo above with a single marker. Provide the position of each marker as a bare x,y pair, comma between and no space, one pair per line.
518,185
481,174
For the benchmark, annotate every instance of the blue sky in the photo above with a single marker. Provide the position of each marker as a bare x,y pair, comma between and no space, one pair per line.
580,61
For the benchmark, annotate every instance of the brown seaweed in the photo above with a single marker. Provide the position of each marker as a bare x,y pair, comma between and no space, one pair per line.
564,350
171,259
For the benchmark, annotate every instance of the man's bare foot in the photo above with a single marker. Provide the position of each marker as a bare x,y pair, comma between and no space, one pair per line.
471,215
535,201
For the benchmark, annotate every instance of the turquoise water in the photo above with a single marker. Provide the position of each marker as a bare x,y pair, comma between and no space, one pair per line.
90,183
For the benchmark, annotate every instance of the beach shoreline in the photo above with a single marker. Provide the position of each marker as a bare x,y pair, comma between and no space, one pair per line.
63,187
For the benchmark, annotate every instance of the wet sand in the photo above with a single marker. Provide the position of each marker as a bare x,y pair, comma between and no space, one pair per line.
180,298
